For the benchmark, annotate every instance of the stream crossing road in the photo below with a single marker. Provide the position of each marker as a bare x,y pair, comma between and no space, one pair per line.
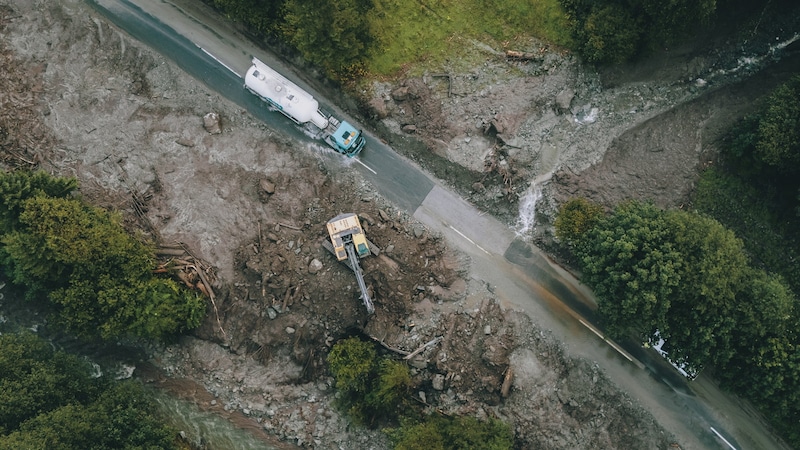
520,275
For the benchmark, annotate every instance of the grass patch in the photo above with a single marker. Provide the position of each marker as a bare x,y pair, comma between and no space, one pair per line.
410,32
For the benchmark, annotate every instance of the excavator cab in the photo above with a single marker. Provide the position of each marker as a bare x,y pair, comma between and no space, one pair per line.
348,243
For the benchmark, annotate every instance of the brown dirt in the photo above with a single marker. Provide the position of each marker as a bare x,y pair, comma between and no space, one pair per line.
92,103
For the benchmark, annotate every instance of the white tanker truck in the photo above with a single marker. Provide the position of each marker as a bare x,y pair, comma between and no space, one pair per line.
302,108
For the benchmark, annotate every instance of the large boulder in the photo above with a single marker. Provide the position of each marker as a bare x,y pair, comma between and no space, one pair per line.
211,123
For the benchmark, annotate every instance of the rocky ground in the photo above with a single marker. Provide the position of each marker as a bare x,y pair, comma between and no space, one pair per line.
251,206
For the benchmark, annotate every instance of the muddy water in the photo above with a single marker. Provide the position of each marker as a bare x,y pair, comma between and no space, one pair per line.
190,408
208,429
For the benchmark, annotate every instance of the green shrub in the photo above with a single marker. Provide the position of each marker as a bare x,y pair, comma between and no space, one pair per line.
372,389
459,433
575,217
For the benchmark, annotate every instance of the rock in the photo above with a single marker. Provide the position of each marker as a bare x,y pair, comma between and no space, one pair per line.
478,187
564,100
272,313
423,397
487,329
418,231
290,330
211,123
367,218
267,186
454,292
418,363
498,125
378,107
253,264
185,142
384,216
314,266
389,249
410,128
438,382
400,94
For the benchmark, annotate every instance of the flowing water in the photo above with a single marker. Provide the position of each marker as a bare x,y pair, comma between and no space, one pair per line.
526,220
206,429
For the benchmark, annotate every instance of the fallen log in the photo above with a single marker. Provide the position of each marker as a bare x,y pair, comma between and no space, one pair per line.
162,251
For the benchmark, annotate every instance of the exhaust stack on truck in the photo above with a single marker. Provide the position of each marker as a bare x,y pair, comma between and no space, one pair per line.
299,106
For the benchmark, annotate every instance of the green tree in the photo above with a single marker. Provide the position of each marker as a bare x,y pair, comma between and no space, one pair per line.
372,389
36,379
333,34
630,261
575,217
18,186
95,273
702,319
49,399
778,143
609,34
352,363
612,31
391,389
675,272
765,321
263,17
671,21
119,419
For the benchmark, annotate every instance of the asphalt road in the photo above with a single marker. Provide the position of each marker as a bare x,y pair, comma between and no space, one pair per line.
518,273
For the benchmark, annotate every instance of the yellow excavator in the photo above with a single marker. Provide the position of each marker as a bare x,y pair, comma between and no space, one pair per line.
348,243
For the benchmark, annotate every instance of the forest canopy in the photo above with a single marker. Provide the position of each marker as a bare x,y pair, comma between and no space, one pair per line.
97,277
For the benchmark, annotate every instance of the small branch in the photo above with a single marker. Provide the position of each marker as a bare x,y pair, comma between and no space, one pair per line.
388,347
289,226
211,295
430,343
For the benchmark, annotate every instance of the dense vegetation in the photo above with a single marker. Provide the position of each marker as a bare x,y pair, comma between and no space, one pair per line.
720,283
375,391
382,37
348,37
97,277
49,399
611,31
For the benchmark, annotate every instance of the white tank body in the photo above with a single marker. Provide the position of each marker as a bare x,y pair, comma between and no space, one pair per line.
283,94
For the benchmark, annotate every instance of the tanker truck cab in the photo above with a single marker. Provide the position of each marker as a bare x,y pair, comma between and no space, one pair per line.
346,139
